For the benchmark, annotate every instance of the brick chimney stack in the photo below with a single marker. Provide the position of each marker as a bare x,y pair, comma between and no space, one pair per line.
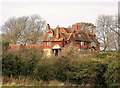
48,27
77,26
57,32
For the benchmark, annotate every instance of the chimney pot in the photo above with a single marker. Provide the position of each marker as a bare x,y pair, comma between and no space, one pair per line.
48,26
58,32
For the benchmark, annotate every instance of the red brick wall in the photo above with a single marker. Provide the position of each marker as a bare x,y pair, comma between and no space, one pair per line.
89,45
60,43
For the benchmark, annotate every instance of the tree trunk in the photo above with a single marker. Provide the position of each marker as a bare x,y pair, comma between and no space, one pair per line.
104,48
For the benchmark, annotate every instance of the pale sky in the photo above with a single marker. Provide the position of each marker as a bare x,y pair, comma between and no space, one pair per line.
59,12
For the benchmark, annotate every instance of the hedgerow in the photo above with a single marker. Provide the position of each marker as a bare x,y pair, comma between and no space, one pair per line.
97,72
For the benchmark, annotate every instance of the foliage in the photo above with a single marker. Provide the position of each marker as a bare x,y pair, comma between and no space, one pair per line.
62,65
112,75
81,72
11,65
97,70
5,44
20,63
101,71
45,71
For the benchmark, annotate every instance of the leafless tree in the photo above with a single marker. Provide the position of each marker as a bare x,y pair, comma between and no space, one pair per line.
107,31
88,26
26,29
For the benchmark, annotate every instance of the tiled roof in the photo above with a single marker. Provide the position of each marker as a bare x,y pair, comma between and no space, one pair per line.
67,33
69,30
63,35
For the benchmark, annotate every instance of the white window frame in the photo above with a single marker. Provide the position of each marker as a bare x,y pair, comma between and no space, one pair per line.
93,44
81,43
79,35
50,35
48,43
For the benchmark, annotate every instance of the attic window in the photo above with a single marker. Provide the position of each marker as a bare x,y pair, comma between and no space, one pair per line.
74,35
50,35
79,35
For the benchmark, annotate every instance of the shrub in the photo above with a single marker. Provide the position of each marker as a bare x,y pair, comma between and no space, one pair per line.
5,44
101,71
30,59
62,65
112,75
78,73
44,71
97,70
19,63
11,65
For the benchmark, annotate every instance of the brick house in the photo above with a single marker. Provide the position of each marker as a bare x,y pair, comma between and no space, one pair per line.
55,39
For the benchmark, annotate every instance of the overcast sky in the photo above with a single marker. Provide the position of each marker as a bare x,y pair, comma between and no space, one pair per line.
59,12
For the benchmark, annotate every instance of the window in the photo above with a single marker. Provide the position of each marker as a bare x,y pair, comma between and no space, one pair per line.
82,43
48,43
50,35
67,41
74,35
92,43
79,35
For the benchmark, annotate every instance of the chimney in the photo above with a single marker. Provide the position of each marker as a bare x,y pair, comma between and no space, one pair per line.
77,26
48,27
57,32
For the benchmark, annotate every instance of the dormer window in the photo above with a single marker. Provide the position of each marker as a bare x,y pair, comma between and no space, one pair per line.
79,35
50,35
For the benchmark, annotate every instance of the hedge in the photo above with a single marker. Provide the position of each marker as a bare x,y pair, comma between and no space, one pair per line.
90,72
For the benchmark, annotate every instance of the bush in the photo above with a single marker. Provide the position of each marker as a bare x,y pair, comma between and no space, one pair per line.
5,44
30,59
97,70
19,63
11,65
112,75
102,71
62,65
44,71
78,73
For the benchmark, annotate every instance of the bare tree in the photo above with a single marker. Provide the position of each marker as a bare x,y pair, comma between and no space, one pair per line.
10,30
89,26
106,36
26,29
115,26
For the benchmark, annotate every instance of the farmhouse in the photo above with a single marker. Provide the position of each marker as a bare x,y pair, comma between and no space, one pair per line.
57,38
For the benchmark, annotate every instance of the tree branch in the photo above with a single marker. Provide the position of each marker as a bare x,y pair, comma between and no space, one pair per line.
115,31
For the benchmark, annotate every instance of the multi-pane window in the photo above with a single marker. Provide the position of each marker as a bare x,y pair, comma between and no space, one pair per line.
82,43
48,43
92,43
50,35
79,35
